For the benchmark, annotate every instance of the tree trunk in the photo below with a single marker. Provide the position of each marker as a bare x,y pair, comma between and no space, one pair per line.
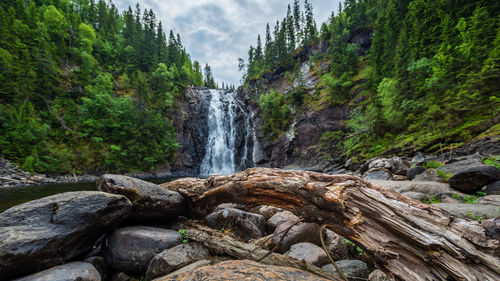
406,238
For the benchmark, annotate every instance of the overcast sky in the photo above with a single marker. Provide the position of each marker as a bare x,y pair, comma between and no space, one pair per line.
221,31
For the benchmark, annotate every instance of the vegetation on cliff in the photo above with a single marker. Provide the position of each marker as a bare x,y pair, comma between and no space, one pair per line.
84,87
428,79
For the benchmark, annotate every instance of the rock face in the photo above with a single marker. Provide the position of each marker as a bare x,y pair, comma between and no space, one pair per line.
130,249
149,201
175,258
473,179
301,232
75,271
246,225
351,268
243,270
49,231
309,253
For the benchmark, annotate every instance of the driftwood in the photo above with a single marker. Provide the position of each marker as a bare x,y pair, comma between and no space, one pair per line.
407,239
224,244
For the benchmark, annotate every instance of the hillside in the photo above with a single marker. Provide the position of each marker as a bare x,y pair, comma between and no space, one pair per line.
380,77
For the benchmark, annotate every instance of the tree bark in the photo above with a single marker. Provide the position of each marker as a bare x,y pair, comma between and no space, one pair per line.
407,239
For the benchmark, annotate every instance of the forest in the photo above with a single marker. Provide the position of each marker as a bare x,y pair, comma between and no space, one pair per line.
428,81
86,88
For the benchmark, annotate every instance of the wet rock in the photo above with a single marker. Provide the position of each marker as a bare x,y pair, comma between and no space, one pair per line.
243,270
351,268
413,172
100,265
280,218
175,258
493,188
309,253
244,224
301,232
336,245
149,201
377,174
378,275
130,249
459,164
470,211
473,179
428,175
75,271
50,231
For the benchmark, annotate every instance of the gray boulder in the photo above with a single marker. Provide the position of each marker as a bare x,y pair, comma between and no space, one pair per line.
149,201
280,218
378,275
493,188
50,231
413,172
377,174
175,258
426,187
75,271
489,200
268,211
415,195
469,211
459,164
301,232
130,249
428,175
473,179
100,265
309,253
336,245
351,268
244,224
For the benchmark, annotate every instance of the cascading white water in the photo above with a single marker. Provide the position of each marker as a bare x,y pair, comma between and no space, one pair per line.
222,132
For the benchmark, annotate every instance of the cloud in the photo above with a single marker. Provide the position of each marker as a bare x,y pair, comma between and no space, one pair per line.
218,32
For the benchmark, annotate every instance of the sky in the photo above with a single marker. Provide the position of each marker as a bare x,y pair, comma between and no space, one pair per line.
218,32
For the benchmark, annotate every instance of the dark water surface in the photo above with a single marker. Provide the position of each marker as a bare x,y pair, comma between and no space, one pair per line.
13,196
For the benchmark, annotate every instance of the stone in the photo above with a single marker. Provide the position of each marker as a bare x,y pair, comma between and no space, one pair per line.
120,276
149,201
175,258
470,211
473,179
377,174
459,164
493,188
378,275
268,211
130,249
280,218
428,175
336,245
229,205
414,186
381,163
415,195
309,253
50,231
489,200
351,268
399,166
301,232
100,265
74,271
189,268
412,172
244,224
492,227
451,200
243,270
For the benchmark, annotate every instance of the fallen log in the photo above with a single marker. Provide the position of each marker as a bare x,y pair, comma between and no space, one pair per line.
224,244
407,239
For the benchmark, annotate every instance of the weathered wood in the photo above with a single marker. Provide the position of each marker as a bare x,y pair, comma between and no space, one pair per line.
224,244
407,239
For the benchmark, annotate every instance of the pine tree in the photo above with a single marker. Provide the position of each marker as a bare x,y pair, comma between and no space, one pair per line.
258,50
297,21
268,51
290,30
310,28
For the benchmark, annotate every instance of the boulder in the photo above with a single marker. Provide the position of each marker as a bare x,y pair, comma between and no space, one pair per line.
149,201
301,232
336,245
459,164
470,211
268,211
415,195
489,200
473,179
74,271
378,275
428,175
243,270
188,268
493,188
309,253
100,265
50,231
229,205
120,276
280,218
175,258
244,224
351,268
377,174
413,172
395,165
428,187
130,249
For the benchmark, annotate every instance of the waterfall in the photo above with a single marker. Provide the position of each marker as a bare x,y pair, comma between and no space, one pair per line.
223,138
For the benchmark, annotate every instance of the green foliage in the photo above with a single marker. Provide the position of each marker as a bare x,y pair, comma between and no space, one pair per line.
185,237
493,161
470,199
358,249
473,217
433,164
432,200
276,113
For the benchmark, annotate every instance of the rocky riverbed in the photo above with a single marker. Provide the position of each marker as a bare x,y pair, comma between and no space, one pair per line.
136,230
